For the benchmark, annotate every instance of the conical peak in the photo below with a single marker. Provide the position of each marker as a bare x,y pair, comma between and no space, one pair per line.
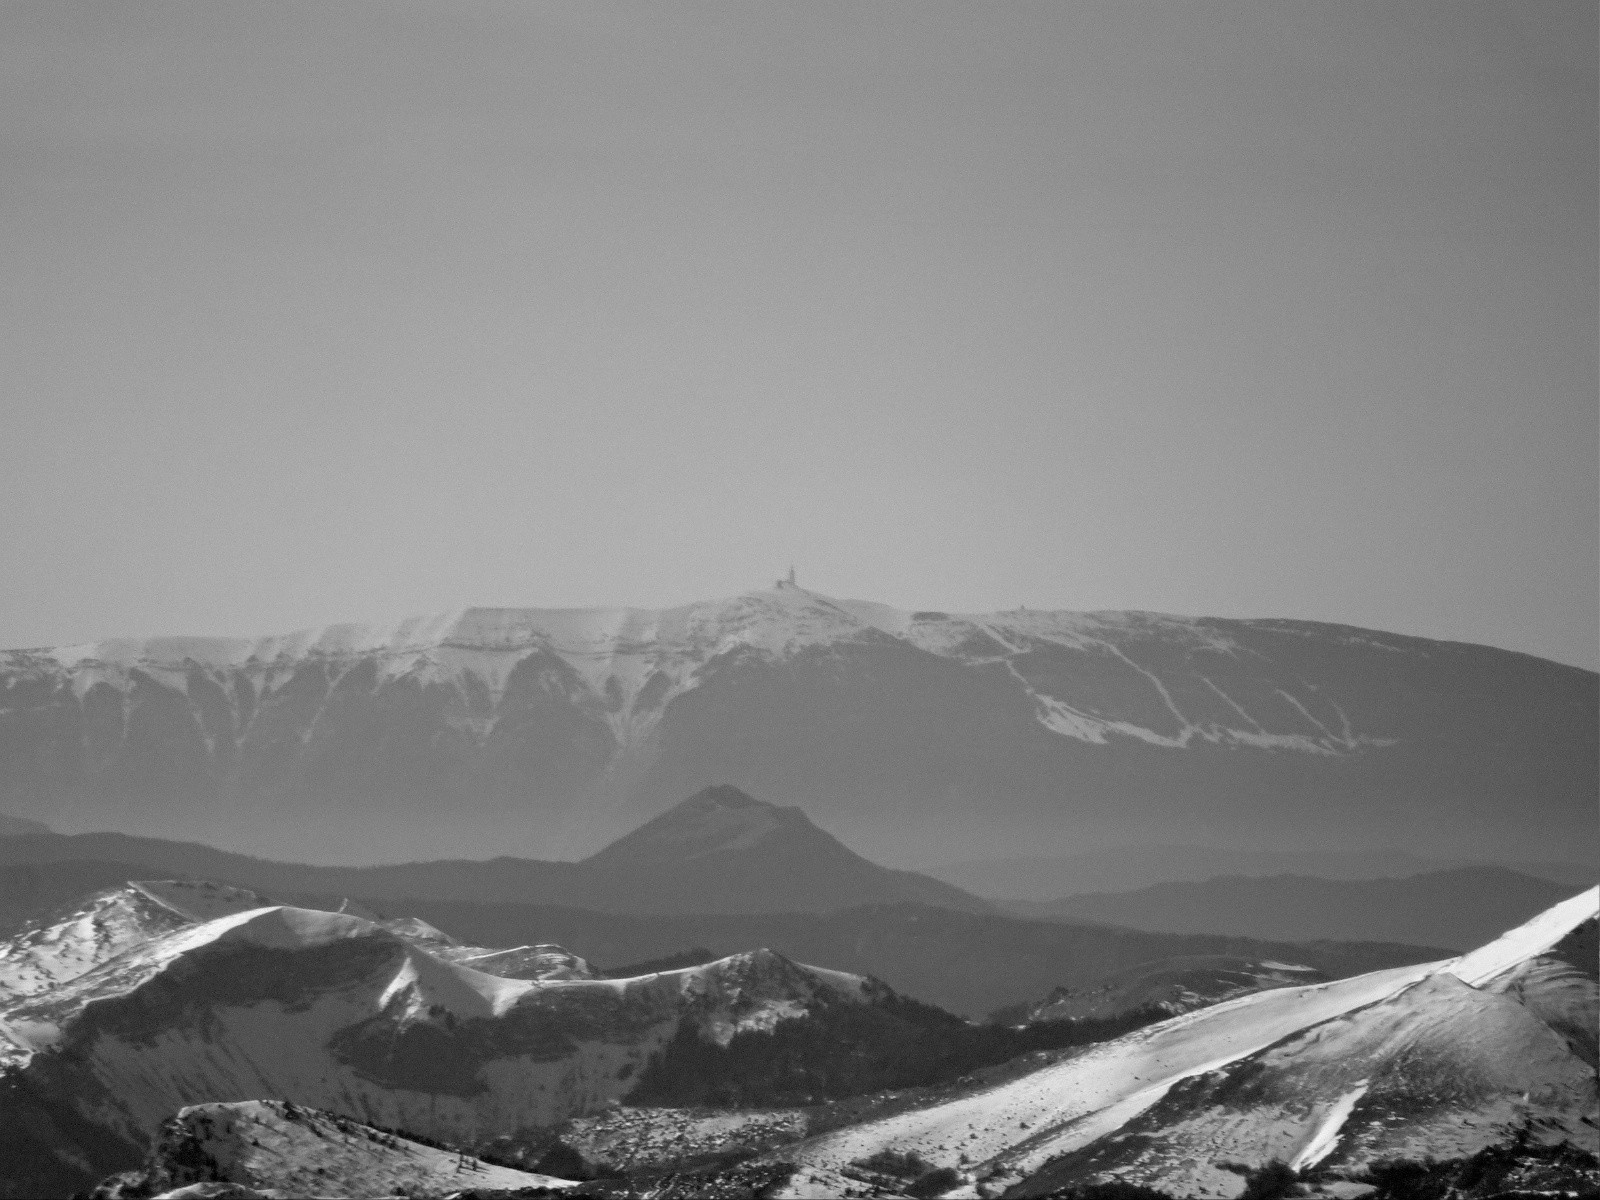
721,796
715,820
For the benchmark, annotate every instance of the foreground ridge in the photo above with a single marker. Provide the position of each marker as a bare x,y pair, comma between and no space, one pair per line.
1438,1060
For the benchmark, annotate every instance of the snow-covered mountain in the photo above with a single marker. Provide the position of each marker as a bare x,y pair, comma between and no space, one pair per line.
1437,1060
331,1010
543,961
189,997
111,923
548,732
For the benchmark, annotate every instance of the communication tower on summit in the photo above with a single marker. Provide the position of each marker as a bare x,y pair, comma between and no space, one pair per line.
789,581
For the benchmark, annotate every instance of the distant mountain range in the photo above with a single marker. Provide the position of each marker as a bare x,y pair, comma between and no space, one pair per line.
718,851
916,736
1459,908
1129,868
968,962
14,826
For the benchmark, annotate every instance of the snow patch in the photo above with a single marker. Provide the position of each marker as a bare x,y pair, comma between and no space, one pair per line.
1327,1133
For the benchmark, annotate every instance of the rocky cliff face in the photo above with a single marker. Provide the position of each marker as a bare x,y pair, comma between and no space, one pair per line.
913,735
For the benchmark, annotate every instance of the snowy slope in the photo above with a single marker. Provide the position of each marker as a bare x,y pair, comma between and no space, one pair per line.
121,919
544,961
1438,1069
1418,1057
268,1145
108,925
337,1012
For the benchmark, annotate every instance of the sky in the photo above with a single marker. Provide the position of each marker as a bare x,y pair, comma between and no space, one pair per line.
317,312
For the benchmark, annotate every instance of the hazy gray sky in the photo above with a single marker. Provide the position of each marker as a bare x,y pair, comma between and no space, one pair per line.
344,311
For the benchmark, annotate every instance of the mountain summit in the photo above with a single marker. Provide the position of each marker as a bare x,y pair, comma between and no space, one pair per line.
722,850
716,820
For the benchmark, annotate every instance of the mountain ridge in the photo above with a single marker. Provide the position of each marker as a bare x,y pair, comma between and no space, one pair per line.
551,732
1043,878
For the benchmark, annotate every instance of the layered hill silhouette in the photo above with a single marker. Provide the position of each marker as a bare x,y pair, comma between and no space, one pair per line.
721,871
1042,878
718,851
13,826
1459,908
916,736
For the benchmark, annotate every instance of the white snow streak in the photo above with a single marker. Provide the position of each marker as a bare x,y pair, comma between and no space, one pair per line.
1326,1136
